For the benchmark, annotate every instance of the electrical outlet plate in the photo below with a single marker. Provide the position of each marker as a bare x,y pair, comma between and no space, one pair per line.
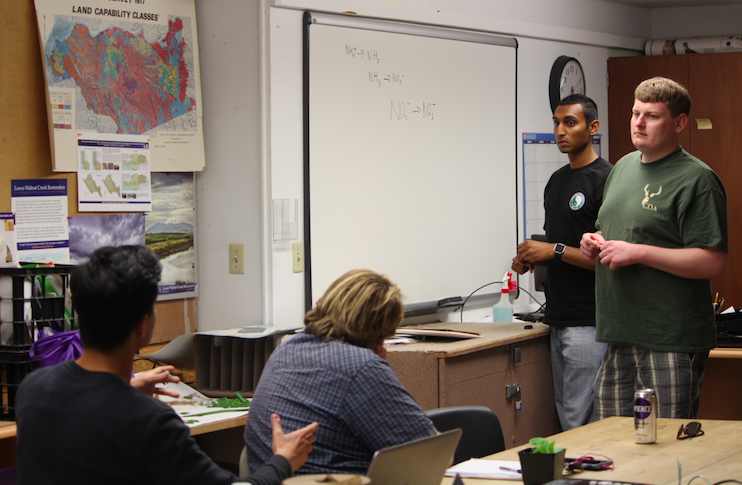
297,256
236,259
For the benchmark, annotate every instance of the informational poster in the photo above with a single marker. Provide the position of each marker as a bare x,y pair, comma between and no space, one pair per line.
113,173
123,67
40,208
170,229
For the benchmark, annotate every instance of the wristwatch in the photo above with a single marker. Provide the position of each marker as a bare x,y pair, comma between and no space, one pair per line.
559,249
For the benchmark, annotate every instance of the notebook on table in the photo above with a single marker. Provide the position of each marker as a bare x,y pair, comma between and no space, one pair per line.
418,462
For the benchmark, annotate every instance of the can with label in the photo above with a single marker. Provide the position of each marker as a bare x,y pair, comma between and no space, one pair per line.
645,416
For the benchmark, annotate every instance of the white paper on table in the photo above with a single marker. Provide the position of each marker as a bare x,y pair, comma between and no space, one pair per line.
253,332
480,468
196,404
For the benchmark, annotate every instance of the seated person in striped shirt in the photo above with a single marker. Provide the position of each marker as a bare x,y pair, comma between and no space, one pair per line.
335,373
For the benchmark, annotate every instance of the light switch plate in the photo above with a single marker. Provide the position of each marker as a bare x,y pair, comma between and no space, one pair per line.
297,255
236,259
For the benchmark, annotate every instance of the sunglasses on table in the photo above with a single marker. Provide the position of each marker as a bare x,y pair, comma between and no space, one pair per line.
691,430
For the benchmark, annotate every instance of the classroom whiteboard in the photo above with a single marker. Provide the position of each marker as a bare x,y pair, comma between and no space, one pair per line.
410,155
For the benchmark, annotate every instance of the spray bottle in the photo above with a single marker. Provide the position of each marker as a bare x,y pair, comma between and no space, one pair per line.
502,311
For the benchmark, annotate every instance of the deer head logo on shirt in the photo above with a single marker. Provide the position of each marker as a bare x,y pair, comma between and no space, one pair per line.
648,195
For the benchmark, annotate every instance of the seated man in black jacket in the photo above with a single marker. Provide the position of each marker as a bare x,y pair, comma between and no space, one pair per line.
83,422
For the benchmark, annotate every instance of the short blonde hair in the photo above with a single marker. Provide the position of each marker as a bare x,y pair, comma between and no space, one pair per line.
361,307
664,90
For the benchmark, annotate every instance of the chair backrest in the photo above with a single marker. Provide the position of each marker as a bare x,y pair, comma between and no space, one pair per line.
482,433
179,353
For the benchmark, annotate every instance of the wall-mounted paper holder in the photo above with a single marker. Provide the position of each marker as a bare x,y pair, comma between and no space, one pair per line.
285,219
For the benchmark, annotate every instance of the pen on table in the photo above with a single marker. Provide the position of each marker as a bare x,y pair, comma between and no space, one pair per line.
509,469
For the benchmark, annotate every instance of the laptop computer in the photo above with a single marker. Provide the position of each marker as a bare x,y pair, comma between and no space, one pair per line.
418,462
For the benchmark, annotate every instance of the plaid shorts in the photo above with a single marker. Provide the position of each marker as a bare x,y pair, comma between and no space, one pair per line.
675,377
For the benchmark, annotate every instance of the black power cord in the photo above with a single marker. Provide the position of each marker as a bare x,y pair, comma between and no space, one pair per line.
520,288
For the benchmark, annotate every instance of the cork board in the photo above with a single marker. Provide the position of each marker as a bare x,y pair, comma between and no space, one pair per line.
25,152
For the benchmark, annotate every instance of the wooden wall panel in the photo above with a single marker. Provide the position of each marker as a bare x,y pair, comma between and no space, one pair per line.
24,135
715,85
624,74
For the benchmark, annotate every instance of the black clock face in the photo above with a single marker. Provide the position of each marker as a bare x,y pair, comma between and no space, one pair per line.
567,77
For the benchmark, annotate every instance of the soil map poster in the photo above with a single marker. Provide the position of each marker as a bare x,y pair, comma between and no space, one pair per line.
125,67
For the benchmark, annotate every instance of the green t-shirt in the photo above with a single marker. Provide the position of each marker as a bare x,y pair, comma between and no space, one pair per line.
675,202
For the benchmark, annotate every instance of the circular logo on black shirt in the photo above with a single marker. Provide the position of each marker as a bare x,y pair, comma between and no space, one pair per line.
577,201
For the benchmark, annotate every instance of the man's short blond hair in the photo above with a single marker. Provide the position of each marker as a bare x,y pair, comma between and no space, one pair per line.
664,90
361,307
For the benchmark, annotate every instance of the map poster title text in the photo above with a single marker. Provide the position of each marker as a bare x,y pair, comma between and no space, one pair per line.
110,12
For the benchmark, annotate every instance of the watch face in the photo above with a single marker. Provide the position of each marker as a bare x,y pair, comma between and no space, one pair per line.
572,80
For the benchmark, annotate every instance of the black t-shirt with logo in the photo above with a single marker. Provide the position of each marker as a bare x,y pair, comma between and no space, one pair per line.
571,199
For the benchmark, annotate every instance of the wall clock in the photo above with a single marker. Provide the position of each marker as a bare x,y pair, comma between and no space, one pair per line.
567,77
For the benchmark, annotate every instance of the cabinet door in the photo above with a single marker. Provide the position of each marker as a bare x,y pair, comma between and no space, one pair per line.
479,379
624,75
418,372
538,416
715,90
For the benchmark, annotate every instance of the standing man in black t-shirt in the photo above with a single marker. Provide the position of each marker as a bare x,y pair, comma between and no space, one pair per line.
572,198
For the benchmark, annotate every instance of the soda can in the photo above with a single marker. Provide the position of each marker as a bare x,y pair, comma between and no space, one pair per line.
645,416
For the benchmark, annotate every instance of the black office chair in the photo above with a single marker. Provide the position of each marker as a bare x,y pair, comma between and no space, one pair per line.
482,433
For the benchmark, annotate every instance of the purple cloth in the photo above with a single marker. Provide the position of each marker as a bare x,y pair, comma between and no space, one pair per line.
56,348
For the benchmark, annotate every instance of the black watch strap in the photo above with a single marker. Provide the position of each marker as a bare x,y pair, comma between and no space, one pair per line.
559,249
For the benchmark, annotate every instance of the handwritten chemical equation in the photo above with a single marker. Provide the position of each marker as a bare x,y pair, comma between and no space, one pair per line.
403,111
356,53
375,78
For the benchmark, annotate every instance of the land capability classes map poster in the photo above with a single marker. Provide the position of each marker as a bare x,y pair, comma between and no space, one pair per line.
123,67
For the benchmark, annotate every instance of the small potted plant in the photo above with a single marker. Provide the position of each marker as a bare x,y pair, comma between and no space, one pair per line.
542,463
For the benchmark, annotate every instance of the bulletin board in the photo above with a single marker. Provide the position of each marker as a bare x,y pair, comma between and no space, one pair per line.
410,155
24,137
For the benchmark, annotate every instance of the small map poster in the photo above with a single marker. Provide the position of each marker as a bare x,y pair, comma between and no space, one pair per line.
125,67
113,173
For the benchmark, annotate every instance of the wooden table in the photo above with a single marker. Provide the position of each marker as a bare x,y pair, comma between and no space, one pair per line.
717,454
7,443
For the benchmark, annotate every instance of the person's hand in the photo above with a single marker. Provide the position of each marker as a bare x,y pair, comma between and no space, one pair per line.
591,243
295,446
532,252
146,382
520,267
616,254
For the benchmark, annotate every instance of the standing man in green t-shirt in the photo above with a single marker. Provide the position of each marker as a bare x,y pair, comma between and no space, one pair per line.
662,236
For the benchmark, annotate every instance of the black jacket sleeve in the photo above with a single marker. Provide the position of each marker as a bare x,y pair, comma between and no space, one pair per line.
273,472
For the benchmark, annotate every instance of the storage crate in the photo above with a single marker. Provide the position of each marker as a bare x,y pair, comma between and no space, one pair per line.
226,364
30,300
